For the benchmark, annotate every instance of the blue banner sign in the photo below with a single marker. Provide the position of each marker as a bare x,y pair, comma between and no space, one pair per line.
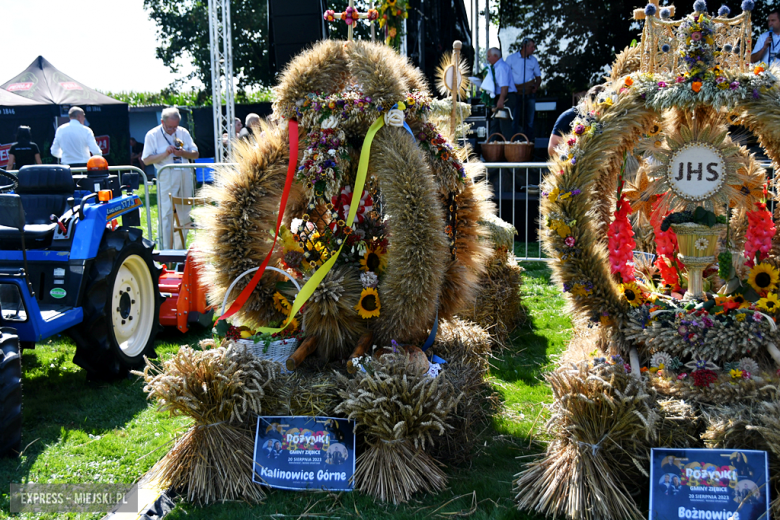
304,452
708,484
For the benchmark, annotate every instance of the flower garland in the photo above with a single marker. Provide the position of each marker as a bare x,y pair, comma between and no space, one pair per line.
438,148
323,161
716,87
392,16
350,107
621,243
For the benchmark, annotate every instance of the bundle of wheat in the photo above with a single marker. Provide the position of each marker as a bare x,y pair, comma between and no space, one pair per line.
222,389
398,410
604,425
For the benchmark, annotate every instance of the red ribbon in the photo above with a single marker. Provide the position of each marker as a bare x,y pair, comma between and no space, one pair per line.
244,296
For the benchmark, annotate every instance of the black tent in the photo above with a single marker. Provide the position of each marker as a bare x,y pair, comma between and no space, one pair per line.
107,117
16,111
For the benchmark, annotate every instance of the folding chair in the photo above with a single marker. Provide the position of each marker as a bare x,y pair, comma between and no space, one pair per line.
176,225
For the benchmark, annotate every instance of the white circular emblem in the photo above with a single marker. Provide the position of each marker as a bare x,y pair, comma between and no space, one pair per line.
696,172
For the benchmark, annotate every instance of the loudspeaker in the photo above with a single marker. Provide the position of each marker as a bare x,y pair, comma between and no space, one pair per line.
293,25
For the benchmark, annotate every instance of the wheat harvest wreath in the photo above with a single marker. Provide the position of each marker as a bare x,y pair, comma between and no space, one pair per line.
659,224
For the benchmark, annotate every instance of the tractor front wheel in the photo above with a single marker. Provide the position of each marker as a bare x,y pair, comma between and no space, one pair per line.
121,307
10,393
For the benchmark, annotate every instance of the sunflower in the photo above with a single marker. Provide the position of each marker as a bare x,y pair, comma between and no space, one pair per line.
770,303
292,326
368,306
763,278
743,303
633,294
654,130
374,259
281,304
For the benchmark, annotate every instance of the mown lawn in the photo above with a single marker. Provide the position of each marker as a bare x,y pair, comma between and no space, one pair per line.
75,431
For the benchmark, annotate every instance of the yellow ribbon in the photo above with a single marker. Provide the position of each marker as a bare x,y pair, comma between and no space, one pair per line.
360,181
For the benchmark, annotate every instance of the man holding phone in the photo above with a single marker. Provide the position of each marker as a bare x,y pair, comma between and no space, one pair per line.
169,143
767,46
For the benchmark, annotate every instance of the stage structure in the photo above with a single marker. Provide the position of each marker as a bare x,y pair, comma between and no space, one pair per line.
220,41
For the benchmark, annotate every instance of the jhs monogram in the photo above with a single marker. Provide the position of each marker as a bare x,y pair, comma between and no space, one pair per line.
711,169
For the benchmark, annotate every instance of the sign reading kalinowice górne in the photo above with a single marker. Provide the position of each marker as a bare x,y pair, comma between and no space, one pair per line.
708,484
304,453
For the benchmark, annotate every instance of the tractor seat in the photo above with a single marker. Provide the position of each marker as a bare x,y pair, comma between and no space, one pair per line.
44,191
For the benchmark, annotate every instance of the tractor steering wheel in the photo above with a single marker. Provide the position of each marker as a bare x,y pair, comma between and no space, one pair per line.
8,182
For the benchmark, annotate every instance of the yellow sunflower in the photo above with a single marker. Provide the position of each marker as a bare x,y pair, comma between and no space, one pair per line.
743,303
375,259
654,130
368,306
292,326
763,278
633,294
281,304
770,303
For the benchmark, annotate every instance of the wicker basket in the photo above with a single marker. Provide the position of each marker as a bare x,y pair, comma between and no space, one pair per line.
517,152
277,351
493,152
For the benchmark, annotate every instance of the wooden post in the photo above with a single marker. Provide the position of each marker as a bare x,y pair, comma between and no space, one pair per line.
455,86
349,27
308,346
362,347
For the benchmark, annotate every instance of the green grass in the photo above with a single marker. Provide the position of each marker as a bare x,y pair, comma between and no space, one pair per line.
76,432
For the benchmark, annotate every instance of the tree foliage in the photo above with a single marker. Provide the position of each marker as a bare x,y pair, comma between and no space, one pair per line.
183,33
578,39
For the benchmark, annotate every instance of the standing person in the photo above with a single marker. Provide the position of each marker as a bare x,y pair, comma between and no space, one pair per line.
73,141
252,126
505,90
23,151
767,48
168,143
527,78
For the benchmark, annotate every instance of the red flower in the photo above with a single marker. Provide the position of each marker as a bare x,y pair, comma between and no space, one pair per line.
704,377
760,230
667,249
621,243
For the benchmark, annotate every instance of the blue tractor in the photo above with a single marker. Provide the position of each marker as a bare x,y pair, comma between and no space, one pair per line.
66,266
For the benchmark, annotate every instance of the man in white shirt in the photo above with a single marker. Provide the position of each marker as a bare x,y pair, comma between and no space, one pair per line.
505,90
171,144
73,141
767,48
527,78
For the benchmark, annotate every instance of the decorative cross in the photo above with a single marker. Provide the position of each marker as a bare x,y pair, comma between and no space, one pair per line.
351,16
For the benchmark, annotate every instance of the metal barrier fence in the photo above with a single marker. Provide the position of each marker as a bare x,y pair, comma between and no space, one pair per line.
527,218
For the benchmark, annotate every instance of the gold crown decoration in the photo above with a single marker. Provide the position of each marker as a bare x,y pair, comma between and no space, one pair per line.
697,43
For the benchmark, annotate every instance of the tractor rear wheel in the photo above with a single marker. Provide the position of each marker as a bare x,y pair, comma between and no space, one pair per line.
121,307
10,393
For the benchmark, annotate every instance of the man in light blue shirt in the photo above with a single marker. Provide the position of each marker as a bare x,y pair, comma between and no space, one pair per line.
505,90
767,48
527,78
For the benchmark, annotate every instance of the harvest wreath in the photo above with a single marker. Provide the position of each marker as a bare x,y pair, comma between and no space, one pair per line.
366,223
657,221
